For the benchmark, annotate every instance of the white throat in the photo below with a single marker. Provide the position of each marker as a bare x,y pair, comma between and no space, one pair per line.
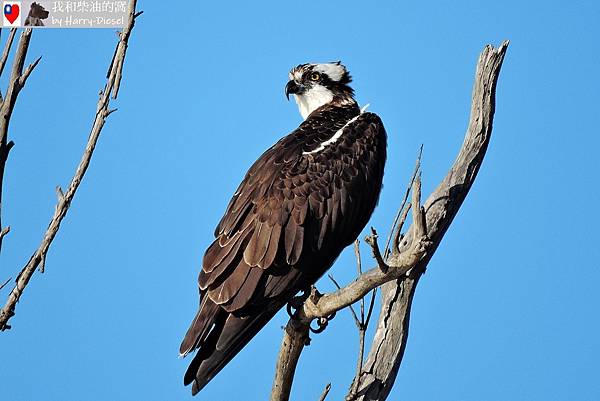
314,98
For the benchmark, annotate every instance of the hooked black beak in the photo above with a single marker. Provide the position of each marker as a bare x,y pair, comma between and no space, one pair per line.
292,87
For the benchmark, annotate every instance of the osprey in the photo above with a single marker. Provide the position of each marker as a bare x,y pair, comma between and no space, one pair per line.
301,203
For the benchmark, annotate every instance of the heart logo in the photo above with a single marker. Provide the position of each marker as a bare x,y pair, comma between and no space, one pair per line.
11,12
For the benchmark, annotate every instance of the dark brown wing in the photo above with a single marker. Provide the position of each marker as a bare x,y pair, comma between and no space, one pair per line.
286,224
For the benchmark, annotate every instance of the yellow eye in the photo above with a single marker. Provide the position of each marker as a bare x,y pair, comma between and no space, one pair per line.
315,76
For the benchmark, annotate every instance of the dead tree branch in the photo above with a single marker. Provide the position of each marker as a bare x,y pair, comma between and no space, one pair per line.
407,260
7,46
64,200
387,348
295,337
16,82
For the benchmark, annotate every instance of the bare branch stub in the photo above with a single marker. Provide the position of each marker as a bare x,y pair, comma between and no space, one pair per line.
422,239
372,241
37,260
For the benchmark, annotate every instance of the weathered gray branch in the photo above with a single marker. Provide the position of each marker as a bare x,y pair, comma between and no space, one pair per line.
64,200
7,46
407,260
441,207
295,337
16,82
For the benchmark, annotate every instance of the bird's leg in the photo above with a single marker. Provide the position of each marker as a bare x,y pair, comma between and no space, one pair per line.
296,303
314,294
322,323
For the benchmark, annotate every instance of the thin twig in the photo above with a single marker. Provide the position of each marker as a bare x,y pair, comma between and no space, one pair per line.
401,208
358,258
359,271
371,305
359,363
64,201
325,392
356,320
362,324
6,282
398,235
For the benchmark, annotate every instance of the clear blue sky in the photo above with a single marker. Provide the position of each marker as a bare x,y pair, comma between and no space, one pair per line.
508,309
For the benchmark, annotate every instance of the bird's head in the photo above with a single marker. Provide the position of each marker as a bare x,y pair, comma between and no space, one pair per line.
314,85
